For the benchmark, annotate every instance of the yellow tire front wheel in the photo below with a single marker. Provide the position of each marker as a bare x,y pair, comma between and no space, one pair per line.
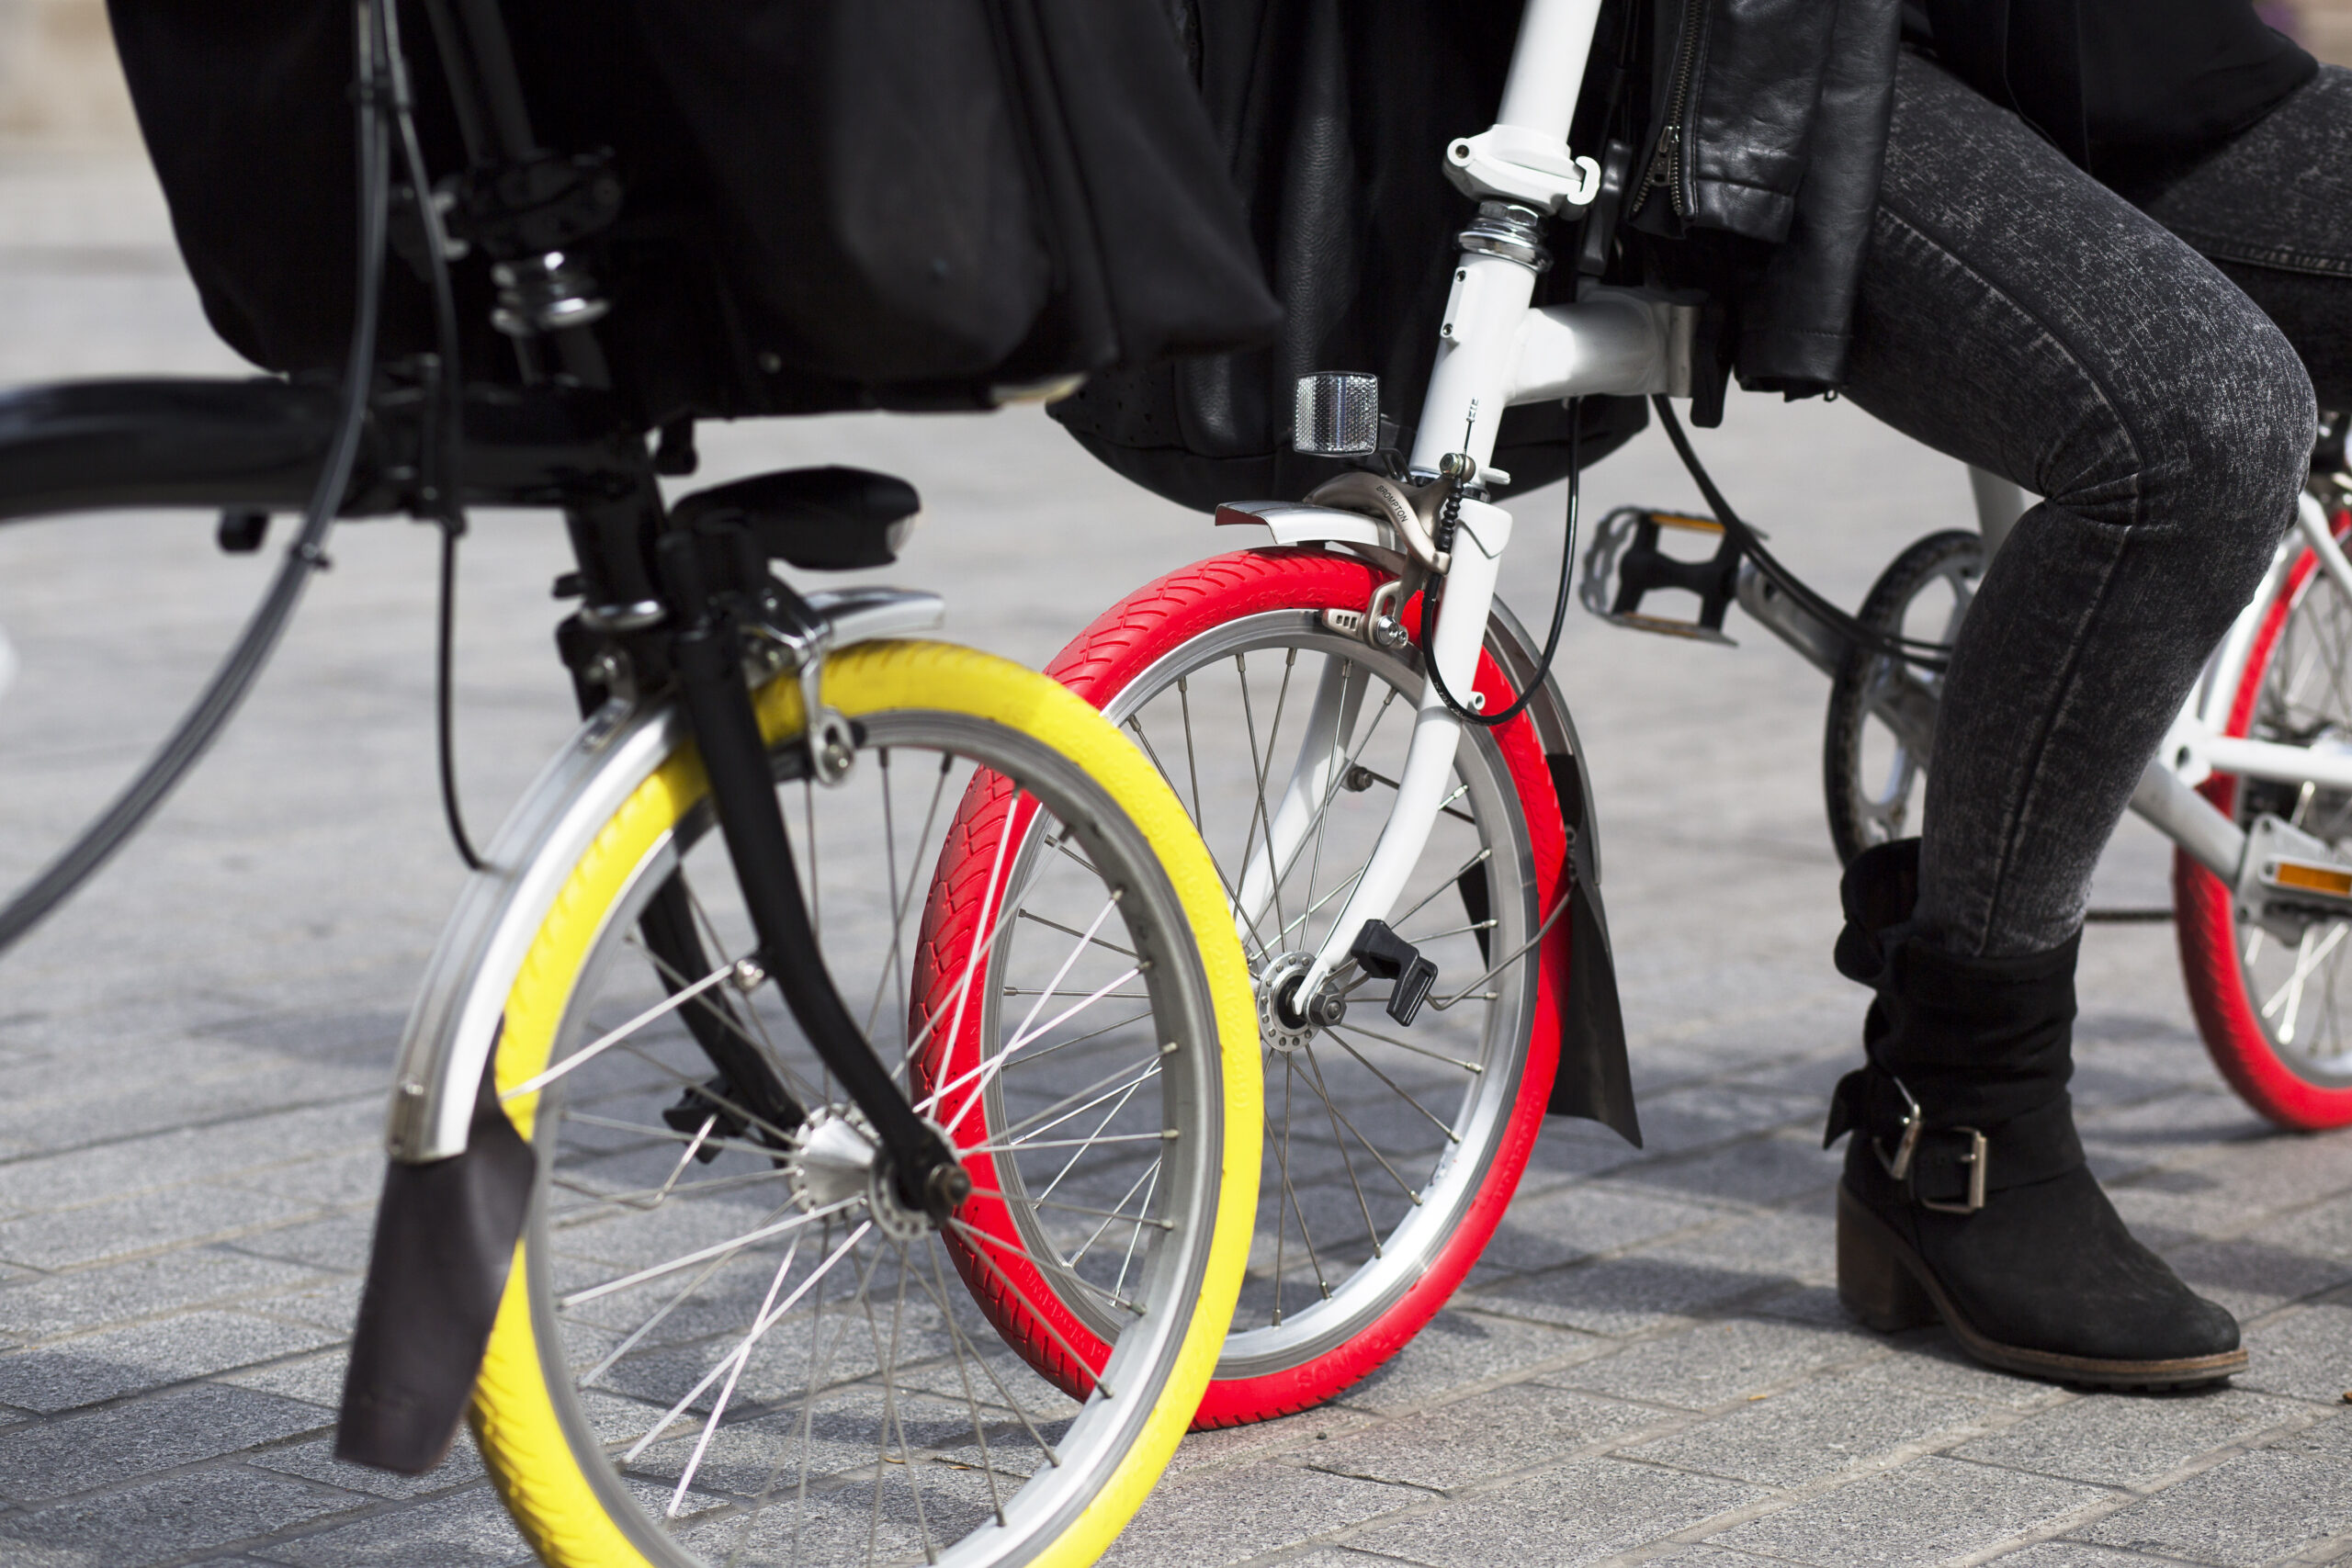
724,1339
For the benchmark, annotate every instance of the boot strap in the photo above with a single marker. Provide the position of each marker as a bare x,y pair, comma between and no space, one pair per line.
1954,1168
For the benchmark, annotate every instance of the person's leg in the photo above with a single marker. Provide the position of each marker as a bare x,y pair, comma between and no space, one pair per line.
2273,210
2015,314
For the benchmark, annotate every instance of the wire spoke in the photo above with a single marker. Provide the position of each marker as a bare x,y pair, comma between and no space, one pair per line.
1451,1135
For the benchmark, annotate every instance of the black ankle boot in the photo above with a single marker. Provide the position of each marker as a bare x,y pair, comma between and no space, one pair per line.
1965,1195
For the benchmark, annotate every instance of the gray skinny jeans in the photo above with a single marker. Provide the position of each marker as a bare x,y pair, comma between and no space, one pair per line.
2019,315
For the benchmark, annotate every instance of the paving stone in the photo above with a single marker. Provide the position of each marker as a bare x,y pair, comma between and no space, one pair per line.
1479,1439
2073,1555
2258,1507
1299,1436
174,1217
1580,1512
1708,1114
1226,1516
350,1179
169,1518
1771,1169
2129,1440
1461,1347
1930,1511
1797,1244
338,1243
1578,1222
332,1305
468,1530
316,1379
2252,1277
316,1460
1714,1363
89,1298
1618,1295
103,1448
1930,1358
89,1368
2306,1353
145,1163
1815,1429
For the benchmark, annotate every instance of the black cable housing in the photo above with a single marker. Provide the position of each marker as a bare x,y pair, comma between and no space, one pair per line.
1435,594
444,452
1931,656
226,692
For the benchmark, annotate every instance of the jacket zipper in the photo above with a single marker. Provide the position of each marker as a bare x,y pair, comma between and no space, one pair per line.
1666,164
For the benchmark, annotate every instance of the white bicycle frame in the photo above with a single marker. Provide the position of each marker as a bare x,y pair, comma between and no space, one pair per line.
1496,351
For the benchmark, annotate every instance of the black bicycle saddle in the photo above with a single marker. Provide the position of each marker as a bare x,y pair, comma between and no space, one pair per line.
831,519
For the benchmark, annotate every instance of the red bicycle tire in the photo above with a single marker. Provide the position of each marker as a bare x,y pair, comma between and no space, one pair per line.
1098,664
2205,921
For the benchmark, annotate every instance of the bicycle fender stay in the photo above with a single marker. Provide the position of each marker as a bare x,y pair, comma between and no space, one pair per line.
1595,1079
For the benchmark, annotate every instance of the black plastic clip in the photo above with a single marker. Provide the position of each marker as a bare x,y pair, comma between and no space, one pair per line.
1384,955
241,530
702,1111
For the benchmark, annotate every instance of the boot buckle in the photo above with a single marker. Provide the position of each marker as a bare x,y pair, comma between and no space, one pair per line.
1977,1159
1898,1163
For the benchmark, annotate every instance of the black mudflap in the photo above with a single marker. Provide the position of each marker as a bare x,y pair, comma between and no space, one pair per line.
1594,1080
445,1240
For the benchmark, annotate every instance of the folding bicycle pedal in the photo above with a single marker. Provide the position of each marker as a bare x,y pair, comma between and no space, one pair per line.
1625,564
1384,955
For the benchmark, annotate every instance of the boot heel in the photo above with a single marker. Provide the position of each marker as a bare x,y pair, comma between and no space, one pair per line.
1872,1281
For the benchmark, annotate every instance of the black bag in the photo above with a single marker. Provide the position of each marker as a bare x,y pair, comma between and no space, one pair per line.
1334,115
828,203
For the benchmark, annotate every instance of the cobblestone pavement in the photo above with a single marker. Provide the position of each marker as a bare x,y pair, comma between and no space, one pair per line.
1649,1366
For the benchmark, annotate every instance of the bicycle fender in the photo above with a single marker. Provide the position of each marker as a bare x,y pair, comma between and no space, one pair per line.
453,1025
445,1240
1594,1080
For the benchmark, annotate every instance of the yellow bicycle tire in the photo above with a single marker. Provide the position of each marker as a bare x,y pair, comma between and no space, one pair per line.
523,1441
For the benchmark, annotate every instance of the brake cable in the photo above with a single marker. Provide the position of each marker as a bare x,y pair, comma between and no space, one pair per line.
1930,656
1449,519
442,480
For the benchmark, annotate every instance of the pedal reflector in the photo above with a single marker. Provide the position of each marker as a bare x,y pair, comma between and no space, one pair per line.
2302,876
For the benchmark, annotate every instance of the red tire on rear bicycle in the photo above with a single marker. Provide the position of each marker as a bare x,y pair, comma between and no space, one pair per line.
1391,1152
2268,1007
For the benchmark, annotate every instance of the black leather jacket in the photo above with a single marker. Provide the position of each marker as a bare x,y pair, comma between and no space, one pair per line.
1768,122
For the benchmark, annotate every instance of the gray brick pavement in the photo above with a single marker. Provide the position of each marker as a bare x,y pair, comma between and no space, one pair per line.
1648,1365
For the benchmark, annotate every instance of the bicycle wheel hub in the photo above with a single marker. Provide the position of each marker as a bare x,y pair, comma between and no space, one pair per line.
1283,1022
835,1159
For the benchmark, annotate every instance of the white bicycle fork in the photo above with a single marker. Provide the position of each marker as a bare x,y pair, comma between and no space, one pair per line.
1495,351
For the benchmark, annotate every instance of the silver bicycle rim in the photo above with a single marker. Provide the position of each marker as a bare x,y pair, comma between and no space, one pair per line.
1378,1138
766,1346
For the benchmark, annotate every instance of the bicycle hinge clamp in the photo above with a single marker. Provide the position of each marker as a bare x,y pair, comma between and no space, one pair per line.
1518,163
